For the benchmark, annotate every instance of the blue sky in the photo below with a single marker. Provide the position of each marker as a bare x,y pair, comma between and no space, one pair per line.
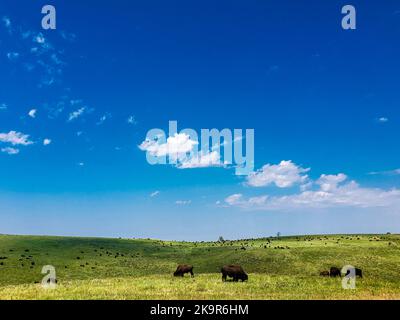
76,104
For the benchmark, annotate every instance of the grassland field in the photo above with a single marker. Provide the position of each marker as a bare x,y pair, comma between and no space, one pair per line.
278,268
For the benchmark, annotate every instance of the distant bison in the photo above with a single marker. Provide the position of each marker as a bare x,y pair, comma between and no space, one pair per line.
324,273
335,272
182,269
358,272
234,271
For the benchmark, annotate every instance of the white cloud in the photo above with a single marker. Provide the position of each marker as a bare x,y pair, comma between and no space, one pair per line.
183,202
74,102
283,175
386,173
234,199
7,24
15,138
181,149
330,182
155,193
102,119
76,114
201,160
333,192
6,21
46,142
132,120
3,106
10,151
176,146
12,56
383,120
39,38
32,113
68,36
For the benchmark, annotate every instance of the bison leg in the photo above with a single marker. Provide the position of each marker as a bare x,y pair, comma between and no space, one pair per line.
192,274
224,277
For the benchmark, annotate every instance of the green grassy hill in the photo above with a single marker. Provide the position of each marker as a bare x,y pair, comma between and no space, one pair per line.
284,268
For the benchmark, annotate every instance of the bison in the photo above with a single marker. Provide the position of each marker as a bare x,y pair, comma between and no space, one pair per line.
234,271
182,269
358,272
335,272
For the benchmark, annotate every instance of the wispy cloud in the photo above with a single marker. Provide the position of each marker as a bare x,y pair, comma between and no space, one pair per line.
76,114
386,172
7,23
10,151
13,56
15,138
201,160
46,142
154,194
102,119
183,202
131,120
382,120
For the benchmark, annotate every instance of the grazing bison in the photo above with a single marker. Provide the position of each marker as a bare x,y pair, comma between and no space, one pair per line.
324,274
335,272
358,272
234,271
182,269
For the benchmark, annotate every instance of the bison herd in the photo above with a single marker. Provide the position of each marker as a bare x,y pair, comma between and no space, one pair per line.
335,272
235,272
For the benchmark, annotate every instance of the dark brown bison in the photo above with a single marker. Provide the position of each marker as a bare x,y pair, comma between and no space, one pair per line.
358,272
234,271
335,272
324,273
182,269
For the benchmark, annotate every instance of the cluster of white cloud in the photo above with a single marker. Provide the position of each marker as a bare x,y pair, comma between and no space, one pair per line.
328,191
283,175
183,202
14,138
175,147
181,150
